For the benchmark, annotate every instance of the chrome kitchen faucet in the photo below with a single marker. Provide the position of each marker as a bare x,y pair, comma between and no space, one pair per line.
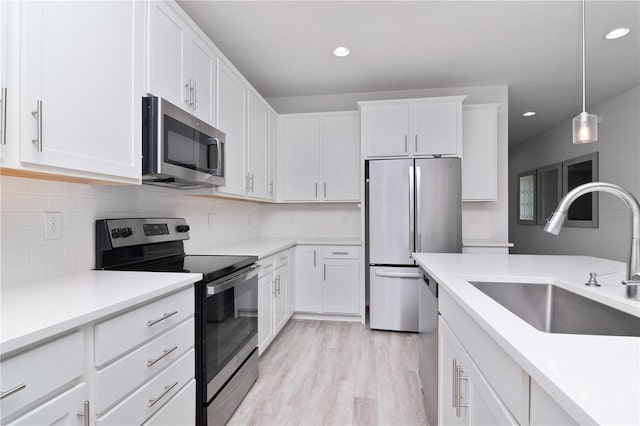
555,222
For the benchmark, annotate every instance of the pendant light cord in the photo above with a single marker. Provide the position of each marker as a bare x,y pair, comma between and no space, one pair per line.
584,74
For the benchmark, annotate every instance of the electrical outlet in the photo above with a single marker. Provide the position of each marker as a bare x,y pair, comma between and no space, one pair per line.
52,226
211,220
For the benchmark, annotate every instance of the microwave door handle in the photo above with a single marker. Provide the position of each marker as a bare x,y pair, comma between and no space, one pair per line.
220,154
211,142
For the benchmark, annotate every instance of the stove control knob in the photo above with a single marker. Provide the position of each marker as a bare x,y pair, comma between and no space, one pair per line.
182,228
115,233
126,232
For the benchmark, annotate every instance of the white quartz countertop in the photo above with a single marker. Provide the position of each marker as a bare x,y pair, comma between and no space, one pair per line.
263,247
36,311
486,243
596,379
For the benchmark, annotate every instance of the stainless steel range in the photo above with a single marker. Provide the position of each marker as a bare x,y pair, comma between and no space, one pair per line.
226,305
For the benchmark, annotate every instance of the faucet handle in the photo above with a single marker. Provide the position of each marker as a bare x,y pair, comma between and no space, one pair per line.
593,281
631,287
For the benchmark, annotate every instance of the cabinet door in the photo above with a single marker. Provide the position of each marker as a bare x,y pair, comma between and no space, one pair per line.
340,136
231,122
435,128
386,130
300,159
306,279
61,410
340,286
291,300
257,156
167,55
265,311
203,70
448,359
82,63
480,152
281,279
179,411
272,123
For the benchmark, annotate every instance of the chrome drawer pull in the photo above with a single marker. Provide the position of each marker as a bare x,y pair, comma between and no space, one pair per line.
3,116
167,389
454,385
342,253
85,413
460,377
164,353
164,317
10,392
38,113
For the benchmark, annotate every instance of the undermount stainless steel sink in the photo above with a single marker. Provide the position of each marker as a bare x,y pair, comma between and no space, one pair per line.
554,310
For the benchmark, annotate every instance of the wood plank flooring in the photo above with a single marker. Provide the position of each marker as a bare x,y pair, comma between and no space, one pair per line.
336,373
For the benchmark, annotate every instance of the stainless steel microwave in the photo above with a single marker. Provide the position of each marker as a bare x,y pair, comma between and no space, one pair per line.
179,150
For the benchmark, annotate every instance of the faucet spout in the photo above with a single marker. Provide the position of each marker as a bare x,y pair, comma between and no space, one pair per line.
559,216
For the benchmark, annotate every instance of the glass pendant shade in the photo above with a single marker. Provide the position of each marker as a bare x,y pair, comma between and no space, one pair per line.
585,128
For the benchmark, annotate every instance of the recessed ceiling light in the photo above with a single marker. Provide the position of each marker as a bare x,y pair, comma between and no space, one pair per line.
617,33
529,114
341,51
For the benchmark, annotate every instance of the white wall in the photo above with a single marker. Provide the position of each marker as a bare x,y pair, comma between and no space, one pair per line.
26,256
311,220
482,220
619,154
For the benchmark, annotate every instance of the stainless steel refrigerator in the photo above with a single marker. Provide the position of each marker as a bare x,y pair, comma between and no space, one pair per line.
412,206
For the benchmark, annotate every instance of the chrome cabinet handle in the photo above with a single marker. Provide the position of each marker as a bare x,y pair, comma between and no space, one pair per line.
283,258
195,95
324,273
3,116
10,392
252,183
406,143
416,142
164,353
271,188
38,113
279,282
164,317
325,190
85,413
316,189
459,378
342,253
314,258
454,384
167,389
188,91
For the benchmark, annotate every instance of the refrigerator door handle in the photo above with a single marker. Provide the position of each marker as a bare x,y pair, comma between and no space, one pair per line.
411,212
418,213
383,273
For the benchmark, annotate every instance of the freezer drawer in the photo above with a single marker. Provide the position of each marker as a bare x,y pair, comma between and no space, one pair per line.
393,300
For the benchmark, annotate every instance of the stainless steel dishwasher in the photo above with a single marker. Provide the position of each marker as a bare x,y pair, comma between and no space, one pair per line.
428,347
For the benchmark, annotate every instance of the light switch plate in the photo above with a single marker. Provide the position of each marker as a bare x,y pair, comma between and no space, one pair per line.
52,225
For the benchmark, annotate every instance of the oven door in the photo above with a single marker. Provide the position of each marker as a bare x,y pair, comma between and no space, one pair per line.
230,326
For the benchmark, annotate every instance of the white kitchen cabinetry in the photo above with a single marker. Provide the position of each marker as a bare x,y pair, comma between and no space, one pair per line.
257,146
412,127
281,283
179,411
320,157
265,306
64,409
465,398
82,120
480,152
272,124
3,73
328,280
181,67
545,411
291,292
231,121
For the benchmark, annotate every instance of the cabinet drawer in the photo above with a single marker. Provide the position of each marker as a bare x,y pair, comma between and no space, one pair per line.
281,259
41,370
149,398
179,411
267,266
341,252
506,377
122,333
126,374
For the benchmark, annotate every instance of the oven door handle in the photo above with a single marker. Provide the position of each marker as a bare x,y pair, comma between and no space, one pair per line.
234,281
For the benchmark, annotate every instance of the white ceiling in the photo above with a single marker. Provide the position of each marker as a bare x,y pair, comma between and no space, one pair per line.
284,49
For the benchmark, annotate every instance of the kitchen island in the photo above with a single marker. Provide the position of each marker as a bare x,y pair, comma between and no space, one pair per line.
591,378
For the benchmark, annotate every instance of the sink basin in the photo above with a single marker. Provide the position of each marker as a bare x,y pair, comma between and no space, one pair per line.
554,310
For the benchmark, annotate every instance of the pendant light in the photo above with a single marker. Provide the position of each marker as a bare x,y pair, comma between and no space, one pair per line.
585,125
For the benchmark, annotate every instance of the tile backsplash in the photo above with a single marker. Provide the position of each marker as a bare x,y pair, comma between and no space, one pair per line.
26,256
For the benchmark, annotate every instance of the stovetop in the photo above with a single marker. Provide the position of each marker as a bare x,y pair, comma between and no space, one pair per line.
211,267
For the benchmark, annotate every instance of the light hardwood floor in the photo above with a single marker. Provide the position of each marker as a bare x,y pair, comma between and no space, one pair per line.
336,373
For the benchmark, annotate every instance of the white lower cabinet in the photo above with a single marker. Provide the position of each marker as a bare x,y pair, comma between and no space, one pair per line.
465,397
327,279
274,285
65,409
179,411
545,411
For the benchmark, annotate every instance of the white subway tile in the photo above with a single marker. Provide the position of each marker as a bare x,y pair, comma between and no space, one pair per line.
13,184
26,275
28,238
6,201
46,187
95,205
37,220
78,220
28,202
17,220
60,204
78,189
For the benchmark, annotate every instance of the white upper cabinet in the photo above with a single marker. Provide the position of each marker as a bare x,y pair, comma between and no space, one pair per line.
300,144
257,146
320,157
82,88
182,68
231,116
413,127
480,152
272,123
385,128
340,144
